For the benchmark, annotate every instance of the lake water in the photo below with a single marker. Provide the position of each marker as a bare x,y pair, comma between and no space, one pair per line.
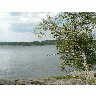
29,61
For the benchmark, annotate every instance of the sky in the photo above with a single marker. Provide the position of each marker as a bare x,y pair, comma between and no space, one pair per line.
19,26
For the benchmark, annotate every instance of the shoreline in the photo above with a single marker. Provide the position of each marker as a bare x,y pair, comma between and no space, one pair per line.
42,81
51,80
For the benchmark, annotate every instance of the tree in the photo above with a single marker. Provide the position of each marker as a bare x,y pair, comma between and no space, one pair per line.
75,30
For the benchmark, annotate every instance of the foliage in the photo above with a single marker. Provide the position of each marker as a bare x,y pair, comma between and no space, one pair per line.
75,30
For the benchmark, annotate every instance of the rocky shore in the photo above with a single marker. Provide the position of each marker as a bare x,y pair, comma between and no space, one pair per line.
52,81
42,81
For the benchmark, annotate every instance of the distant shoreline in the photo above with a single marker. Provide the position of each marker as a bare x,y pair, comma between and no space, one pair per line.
46,42
22,45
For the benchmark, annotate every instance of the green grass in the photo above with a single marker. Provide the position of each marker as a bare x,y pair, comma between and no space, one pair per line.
62,77
92,81
18,84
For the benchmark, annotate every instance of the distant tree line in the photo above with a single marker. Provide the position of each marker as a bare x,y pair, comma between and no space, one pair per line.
46,42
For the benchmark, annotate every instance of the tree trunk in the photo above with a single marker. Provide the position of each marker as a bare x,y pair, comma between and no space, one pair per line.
85,64
87,68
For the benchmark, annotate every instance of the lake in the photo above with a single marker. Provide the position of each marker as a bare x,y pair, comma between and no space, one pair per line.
29,61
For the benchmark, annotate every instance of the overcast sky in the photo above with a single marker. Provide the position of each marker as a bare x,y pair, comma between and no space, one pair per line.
19,26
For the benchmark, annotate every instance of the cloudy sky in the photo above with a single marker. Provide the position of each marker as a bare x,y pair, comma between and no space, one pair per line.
19,26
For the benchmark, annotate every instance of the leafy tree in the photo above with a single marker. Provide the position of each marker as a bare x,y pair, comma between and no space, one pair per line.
75,30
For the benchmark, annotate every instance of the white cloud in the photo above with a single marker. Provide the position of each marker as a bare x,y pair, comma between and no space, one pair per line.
5,25
36,16
22,19
19,27
42,15
52,14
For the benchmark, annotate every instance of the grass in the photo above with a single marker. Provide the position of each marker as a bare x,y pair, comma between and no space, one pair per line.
62,77
92,81
18,84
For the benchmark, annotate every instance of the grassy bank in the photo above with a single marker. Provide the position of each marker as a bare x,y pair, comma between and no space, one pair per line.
63,77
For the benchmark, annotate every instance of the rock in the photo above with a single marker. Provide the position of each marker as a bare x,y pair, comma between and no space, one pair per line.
92,74
51,81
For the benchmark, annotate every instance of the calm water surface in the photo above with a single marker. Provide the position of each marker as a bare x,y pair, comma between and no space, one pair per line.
29,61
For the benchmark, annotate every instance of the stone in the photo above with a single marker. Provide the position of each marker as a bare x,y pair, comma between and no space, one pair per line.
92,74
